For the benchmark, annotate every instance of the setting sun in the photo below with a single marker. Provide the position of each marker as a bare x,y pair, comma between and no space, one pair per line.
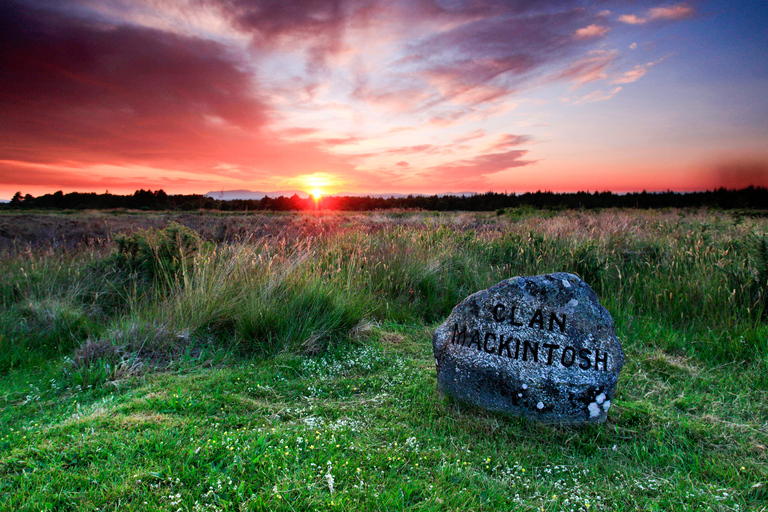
316,193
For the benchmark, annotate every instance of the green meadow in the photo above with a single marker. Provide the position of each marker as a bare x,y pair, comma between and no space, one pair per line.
283,361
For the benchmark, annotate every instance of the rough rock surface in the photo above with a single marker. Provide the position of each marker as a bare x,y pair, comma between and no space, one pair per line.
537,346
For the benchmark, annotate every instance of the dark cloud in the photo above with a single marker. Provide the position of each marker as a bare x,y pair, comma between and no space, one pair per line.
318,24
78,87
481,50
269,20
501,51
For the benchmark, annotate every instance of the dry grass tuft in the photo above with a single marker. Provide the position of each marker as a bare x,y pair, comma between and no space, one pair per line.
95,350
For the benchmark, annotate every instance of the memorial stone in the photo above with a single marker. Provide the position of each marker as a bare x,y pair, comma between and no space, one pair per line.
535,346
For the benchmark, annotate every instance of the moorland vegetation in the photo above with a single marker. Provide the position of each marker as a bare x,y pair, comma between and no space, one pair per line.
283,361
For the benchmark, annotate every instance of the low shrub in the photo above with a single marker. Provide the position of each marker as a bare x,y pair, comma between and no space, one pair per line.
157,254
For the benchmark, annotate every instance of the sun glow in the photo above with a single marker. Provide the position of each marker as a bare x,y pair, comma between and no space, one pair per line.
315,183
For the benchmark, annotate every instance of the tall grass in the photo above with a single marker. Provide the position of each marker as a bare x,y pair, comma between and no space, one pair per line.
50,303
701,275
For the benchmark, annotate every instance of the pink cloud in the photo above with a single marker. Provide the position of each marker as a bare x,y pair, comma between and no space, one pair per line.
591,32
675,12
635,74
598,95
587,70
672,13
508,140
631,76
481,165
632,19
477,134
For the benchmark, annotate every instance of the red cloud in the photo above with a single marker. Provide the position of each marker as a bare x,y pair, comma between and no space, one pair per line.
77,88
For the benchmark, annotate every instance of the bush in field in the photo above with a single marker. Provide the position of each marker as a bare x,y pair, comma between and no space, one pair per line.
305,319
158,253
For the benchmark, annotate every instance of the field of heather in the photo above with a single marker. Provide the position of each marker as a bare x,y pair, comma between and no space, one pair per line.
283,361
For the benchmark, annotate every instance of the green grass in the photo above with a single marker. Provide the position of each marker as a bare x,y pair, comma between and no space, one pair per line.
295,372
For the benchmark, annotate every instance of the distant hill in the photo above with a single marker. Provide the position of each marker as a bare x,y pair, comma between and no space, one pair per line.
400,196
229,195
382,196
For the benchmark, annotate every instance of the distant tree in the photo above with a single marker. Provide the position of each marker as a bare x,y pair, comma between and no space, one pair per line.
17,199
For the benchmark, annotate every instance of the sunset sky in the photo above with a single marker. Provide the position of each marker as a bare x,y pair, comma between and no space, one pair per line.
381,96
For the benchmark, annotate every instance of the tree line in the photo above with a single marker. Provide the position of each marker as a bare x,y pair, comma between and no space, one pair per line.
750,198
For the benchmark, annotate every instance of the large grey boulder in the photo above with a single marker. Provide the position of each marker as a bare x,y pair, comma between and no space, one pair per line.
536,346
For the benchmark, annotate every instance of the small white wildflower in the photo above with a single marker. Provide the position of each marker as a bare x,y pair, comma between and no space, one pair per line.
329,477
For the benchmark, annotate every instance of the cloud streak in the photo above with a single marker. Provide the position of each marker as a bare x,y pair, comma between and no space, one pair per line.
591,32
480,166
663,13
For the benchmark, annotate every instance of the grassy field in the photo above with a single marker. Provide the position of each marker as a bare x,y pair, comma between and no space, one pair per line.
284,362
